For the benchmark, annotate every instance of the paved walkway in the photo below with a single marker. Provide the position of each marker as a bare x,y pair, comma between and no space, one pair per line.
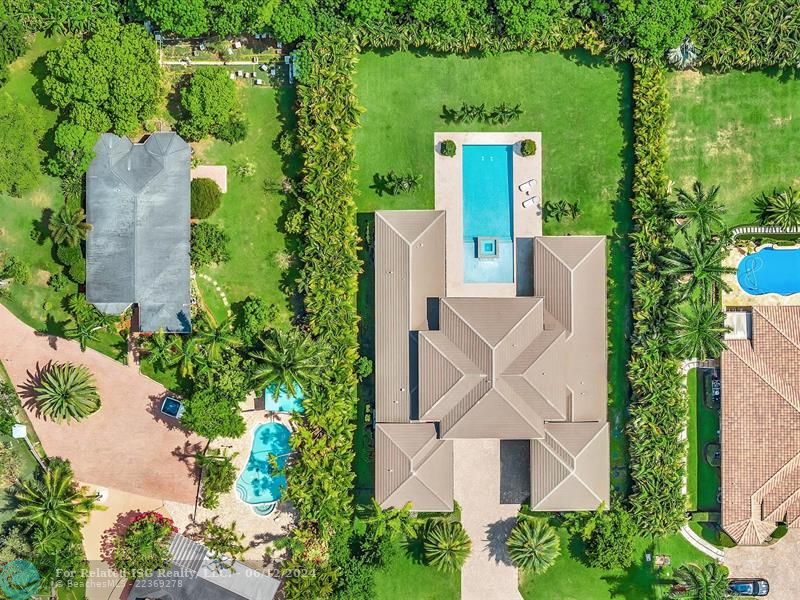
128,444
777,563
488,573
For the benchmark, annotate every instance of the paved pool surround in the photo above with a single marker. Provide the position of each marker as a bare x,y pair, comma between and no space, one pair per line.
449,192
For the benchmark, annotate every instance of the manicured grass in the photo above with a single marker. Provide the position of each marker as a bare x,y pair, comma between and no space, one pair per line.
572,579
574,100
691,435
407,577
23,229
707,428
250,216
739,130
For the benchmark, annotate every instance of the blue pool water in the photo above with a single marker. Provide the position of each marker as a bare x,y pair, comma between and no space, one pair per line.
488,211
256,484
770,271
284,402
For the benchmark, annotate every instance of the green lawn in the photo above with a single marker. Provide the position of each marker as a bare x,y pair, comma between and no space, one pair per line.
23,230
737,130
407,577
250,216
572,579
574,100
703,480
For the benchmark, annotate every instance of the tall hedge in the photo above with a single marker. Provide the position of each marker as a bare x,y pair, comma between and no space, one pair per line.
320,479
659,407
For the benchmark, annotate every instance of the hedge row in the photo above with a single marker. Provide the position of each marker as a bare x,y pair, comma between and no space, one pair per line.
320,479
659,407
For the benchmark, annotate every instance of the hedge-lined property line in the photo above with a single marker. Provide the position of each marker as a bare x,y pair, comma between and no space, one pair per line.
320,479
659,409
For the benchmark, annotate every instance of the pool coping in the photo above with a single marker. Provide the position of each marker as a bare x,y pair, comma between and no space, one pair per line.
448,173
737,297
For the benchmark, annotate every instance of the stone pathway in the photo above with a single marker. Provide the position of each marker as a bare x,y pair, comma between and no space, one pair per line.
488,573
219,290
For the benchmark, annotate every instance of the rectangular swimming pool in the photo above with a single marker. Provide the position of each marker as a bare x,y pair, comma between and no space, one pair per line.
488,192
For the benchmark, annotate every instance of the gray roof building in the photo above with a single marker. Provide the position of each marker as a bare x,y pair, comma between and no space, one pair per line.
138,204
194,575
514,368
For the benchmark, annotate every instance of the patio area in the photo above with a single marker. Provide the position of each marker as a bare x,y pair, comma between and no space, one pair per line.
127,444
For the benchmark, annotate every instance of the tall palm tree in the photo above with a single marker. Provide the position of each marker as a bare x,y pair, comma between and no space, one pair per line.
446,545
391,521
781,208
68,225
709,582
55,502
160,348
185,354
215,339
698,329
699,264
701,209
67,391
533,544
290,361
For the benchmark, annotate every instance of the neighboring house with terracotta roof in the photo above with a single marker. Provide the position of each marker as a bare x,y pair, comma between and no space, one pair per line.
760,426
137,251
523,367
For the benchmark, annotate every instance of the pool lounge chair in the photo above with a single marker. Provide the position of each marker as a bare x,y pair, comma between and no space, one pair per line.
527,186
527,203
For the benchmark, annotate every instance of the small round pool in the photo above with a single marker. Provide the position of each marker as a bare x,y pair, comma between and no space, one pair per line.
257,485
770,271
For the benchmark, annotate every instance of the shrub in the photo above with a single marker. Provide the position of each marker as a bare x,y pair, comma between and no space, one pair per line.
609,536
448,148
781,530
77,271
58,281
144,547
218,476
527,147
206,197
68,255
8,407
16,270
254,316
446,545
234,130
533,544
67,392
363,367
209,245
213,415
356,582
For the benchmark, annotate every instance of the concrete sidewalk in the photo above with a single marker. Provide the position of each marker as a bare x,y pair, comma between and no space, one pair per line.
488,573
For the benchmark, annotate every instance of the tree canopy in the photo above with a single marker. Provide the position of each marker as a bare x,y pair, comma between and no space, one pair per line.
210,105
190,18
20,156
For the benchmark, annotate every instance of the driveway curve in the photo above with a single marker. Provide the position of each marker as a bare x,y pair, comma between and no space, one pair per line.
127,444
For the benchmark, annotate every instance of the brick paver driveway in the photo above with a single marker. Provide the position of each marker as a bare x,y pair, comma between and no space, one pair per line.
777,563
127,444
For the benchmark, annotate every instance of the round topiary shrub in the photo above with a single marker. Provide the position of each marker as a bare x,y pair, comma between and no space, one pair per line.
448,148
781,530
77,271
206,197
528,147
68,255
58,281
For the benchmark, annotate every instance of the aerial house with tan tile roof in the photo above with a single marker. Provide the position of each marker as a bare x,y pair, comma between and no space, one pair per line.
524,358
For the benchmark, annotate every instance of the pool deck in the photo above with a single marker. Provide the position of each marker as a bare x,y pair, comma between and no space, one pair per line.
738,298
449,197
258,530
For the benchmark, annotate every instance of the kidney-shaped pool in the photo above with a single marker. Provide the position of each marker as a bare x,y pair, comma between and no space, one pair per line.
258,485
770,271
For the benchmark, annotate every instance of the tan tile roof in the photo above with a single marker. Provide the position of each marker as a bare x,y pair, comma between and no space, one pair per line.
760,426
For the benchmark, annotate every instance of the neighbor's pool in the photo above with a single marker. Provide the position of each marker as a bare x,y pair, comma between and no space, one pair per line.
488,191
284,402
770,271
257,485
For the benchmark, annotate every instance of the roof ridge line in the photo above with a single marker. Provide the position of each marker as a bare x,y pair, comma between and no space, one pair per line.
778,329
421,233
585,256
472,329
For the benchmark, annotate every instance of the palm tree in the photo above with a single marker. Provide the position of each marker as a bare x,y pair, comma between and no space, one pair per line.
54,502
67,391
446,545
700,264
215,339
68,226
701,209
709,582
533,544
698,328
781,208
289,361
185,354
84,331
392,521
160,348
